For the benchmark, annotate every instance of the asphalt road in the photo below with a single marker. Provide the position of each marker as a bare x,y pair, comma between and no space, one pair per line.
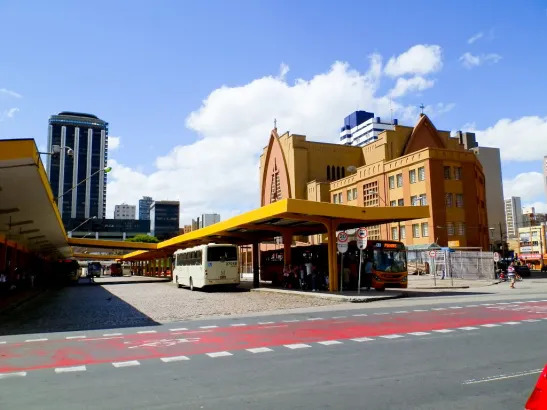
442,356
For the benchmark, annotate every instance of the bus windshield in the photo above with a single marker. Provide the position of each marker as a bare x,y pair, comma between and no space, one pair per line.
221,254
389,261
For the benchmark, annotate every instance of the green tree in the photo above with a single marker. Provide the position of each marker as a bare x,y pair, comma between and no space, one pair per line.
143,238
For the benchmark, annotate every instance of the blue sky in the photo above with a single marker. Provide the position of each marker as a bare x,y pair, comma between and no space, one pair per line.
173,78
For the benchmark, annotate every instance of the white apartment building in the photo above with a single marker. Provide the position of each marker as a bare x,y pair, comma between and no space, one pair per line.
125,211
513,216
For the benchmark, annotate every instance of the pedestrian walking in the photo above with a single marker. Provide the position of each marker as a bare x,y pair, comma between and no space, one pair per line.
368,273
511,274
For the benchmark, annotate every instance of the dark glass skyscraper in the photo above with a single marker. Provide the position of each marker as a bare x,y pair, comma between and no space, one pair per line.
87,136
164,219
144,208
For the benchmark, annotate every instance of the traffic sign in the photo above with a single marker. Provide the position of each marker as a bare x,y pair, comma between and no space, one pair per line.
432,254
342,237
342,242
342,247
362,243
362,233
496,257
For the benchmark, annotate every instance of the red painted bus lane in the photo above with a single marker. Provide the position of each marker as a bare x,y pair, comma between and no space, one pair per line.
63,353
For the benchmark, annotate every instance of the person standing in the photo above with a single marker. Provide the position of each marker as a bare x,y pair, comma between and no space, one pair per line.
511,274
368,273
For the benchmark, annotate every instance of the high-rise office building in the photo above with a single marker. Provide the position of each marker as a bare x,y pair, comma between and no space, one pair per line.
124,211
513,216
81,143
361,128
205,220
144,207
164,219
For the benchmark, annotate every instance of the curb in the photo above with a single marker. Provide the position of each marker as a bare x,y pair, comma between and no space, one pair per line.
339,298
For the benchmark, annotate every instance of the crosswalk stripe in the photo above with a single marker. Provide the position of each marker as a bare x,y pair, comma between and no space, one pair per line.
219,354
330,342
126,364
70,369
174,359
297,346
362,339
260,350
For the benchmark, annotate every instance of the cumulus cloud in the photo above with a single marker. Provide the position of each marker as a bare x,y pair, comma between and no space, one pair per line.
529,186
219,172
10,93
470,61
518,139
475,37
9,113
420,59
406,85
113,142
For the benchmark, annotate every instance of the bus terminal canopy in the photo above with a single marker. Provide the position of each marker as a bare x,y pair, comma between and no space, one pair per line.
282,218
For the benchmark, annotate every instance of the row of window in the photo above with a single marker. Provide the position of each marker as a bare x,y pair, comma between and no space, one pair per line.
423,230
189,258
334,173
449,200
398,179
448,174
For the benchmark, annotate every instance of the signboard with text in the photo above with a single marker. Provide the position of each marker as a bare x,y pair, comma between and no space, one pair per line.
342,242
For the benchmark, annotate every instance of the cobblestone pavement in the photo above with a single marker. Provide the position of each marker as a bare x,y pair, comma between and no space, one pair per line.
108,306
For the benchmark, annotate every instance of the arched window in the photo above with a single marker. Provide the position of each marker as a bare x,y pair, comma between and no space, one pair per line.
332,173
337,172
328,173
343,172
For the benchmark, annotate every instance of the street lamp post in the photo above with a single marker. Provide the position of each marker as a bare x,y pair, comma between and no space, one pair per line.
72,230
56,149
106,170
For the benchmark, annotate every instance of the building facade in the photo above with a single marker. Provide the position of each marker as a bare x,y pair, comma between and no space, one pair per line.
405,166
532,218
83,155
361,128
164,219
125,211
513,216
112,229
533,245
205,220
144,207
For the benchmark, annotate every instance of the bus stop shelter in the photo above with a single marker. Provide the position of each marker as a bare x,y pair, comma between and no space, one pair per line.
285,218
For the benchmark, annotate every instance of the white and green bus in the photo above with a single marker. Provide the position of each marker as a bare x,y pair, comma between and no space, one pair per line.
206,265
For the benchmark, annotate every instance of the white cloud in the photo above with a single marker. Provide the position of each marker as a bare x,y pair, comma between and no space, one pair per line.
419,59
529,186
406,85
113,142
475,37
518,140
10,93
219,171
9,113
469,60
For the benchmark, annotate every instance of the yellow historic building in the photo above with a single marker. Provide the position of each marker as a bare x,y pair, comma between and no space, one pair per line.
417,165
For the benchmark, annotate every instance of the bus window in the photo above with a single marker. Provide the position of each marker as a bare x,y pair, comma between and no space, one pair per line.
389,261
221,254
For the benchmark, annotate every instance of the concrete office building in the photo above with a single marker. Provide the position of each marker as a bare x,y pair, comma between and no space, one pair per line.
83,154
205,220
533,245
144,207
361,128
164,219
125,211
513,216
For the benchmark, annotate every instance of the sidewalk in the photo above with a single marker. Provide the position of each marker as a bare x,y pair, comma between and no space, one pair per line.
428,282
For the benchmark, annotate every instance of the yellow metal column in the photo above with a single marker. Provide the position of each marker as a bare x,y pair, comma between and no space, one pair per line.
333,265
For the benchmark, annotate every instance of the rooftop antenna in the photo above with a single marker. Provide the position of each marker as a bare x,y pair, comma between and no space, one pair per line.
422,107
275,124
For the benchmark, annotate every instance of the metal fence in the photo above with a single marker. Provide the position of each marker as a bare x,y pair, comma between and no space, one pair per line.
469,264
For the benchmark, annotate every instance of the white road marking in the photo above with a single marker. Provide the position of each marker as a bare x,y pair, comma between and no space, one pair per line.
503,376
101,338
238,324
531,320
381,313
178,329
208,327
112,334
468,328
297,346
70,369
219,354
443,330
532,301
402,311
75,337
192,331
315,318
472,305
43,339
174,359
391,336
486,304
146,331
3,342
360,314
330,342
419,310
15,374
291,320
519,302
260,350
362,339
126,364
511,323
490,325
456,307
274,326
438,309
503,303
339,317
419,333
265,323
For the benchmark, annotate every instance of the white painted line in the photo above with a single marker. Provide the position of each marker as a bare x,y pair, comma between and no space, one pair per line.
510,323
315,318
486,304
260,350
43,339
456,307
532,301
503,303
265,323
362,339
543,300
126,364
339,317
3,342
178,329
75,337
208,327
531,320
472,306
290,320
70,369
519,302
392,336
503,376
402,311
238,324
274,326
101,338
330,342
443,330
438,309
15,374
381,313
419,333
146,331
420,310
468,328
490,325
297,346
174,359
112,334
219,354
360,314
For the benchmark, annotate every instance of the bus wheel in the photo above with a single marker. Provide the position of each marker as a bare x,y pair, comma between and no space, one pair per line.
191,284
